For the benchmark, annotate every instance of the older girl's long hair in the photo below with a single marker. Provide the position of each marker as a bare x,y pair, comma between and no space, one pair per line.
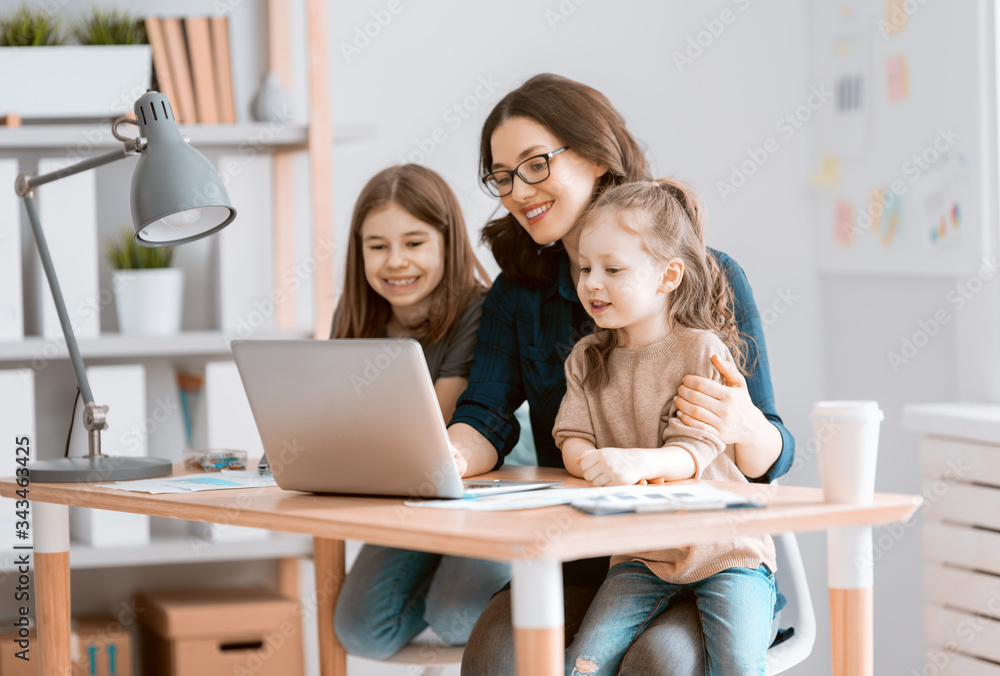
423,194
584,120
669,218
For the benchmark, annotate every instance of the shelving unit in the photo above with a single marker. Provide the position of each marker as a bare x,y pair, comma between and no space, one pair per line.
118,348
282,144
17,140
178,549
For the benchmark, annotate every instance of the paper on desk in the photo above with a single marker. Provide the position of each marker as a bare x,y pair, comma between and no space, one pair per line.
695,494
192,483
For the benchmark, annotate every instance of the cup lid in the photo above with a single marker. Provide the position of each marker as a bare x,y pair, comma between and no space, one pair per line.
848,410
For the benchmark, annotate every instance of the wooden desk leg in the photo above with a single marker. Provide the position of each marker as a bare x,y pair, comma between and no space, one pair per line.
537,611
328,557
51,537
851,581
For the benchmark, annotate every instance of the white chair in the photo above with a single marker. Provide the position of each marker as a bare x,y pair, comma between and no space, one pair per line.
430,655
798,611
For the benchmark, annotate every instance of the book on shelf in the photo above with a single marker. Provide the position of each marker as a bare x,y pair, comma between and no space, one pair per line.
161,64
223,69
180,70
199,43
191,57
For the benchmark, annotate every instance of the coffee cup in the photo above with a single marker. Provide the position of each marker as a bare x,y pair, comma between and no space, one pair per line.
846,434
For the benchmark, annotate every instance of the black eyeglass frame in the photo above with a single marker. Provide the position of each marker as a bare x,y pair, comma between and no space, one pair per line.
517,172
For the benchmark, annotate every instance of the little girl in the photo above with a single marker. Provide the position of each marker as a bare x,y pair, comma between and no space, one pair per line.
411,271
663,309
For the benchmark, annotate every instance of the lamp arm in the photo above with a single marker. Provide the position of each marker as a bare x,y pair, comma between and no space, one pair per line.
25,184
93,415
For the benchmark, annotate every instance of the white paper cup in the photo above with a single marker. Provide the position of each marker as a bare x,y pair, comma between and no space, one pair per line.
846,435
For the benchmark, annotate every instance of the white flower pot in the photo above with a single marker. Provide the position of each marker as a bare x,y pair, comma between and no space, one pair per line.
73,80
148,302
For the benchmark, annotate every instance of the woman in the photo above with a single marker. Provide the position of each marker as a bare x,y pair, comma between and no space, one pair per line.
547,149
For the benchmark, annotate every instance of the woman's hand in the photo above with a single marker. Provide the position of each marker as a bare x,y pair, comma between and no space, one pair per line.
728,412
723,410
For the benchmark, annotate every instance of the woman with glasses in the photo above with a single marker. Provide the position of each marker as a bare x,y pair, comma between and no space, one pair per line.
547,149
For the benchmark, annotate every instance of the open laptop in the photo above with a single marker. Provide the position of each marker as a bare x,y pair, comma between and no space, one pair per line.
354,416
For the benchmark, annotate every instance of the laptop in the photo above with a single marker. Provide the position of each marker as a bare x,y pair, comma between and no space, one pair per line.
356,416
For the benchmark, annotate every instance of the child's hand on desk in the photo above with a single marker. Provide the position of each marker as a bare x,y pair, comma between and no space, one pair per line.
615,466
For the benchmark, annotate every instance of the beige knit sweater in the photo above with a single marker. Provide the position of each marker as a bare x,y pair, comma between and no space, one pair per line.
635,410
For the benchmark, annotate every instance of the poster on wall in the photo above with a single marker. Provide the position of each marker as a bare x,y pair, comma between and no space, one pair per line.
911,195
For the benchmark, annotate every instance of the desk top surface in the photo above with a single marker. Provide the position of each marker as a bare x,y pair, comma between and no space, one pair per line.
550,532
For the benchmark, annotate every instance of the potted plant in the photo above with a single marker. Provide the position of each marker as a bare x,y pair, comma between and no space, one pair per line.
148,292
47,78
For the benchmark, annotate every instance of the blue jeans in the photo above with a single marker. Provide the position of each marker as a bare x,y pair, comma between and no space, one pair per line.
391,595
735,607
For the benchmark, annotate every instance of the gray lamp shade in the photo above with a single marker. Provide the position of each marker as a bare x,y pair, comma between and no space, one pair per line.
177,195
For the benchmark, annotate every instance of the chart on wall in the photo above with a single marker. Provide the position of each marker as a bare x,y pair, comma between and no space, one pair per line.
901,155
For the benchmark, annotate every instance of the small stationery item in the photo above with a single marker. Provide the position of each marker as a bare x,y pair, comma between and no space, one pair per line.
214,459
683,498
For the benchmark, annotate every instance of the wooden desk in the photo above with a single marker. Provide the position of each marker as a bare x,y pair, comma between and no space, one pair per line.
535,542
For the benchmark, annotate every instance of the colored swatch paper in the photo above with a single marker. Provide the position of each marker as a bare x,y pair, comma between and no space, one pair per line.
843,223
828,173
885,208
895,16
897,78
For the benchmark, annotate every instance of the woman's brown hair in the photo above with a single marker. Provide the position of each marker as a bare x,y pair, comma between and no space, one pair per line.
669,218
362,313
584,120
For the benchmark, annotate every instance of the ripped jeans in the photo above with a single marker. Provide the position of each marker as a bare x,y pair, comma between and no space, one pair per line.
735,607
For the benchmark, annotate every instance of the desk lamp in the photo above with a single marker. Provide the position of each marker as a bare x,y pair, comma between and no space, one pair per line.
177,197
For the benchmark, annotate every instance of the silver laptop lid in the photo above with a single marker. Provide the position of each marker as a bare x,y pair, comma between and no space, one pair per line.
348,416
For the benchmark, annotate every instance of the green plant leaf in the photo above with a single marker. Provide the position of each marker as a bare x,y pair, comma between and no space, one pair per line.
111,27
125,254
26,27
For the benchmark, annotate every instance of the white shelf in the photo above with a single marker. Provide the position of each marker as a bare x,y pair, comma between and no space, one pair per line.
85,137
125,348
172,550
961,420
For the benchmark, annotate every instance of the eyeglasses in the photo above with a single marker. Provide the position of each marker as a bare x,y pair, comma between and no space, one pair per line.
533,170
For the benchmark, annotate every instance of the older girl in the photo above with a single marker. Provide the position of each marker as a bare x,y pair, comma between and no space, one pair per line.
411,271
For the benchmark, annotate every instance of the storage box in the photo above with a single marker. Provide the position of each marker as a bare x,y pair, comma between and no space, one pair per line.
100,647
219,632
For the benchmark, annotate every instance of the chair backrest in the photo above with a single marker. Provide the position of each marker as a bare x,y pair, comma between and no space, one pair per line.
798,612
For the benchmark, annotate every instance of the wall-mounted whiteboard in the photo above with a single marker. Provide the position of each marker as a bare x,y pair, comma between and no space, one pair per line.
903,150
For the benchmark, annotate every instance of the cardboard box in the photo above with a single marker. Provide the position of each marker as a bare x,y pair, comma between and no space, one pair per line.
100,647
219,632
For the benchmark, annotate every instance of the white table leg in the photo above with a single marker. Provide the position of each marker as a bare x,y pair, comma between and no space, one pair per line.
52,601
851,581
537,613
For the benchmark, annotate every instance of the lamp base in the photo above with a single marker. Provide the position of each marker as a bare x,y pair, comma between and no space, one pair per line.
101,468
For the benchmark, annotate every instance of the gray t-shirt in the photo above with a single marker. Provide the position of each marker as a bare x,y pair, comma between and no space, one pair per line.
452,356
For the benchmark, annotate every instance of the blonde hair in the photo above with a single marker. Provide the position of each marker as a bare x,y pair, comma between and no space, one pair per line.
669,218
423,194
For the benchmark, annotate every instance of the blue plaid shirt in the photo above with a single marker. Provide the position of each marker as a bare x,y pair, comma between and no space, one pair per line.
525,337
